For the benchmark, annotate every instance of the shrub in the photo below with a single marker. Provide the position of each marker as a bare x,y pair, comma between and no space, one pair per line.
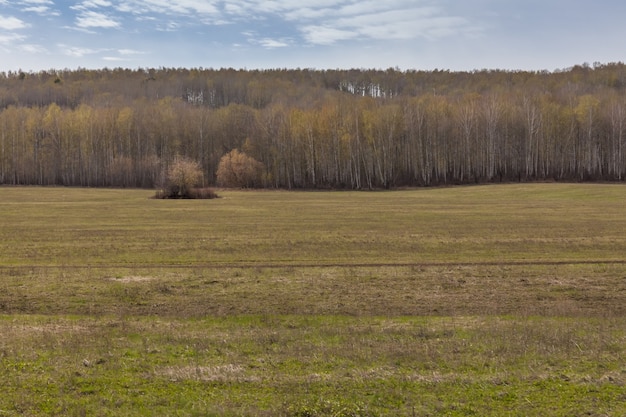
238,170
203,193
181,181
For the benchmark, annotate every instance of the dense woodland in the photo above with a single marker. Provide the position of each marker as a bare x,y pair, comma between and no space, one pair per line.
353,129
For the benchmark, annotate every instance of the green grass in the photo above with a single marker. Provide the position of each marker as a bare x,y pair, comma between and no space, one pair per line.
285,365
487,300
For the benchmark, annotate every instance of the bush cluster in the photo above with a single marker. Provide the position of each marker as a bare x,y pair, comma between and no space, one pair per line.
182,179
239,170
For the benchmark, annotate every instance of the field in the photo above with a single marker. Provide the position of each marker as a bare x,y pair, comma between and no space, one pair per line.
499,300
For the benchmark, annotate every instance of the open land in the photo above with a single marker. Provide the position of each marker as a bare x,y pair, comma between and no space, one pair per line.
483,300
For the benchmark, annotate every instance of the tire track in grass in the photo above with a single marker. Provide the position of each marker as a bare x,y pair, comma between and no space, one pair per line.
247,265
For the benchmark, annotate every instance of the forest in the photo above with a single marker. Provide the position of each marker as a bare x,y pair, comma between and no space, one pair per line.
307,128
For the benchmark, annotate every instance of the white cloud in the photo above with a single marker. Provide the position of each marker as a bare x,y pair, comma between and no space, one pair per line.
12,23
266,42
287,6
33,49
129,52
11,38
308,13
78,29
325,22
375,21
128,8
180,7
324,35
77,51
96,3
256,26
90,19
87,5
272,43
123,54
172,15
404,24
42,10
319,21
236,9
169,27
37,9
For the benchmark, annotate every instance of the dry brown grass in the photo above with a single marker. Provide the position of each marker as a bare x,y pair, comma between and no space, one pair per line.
581,290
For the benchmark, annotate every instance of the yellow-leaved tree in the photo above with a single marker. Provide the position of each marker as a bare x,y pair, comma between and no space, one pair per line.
239,170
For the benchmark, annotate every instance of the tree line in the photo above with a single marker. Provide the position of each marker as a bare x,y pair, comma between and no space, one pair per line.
301,128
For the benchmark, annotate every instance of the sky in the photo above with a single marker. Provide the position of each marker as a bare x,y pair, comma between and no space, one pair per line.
456,35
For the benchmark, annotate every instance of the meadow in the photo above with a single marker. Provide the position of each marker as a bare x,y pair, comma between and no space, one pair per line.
482,300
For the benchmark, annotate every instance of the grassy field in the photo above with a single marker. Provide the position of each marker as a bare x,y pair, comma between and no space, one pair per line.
503,300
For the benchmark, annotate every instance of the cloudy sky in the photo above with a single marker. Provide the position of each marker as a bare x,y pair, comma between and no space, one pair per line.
321,34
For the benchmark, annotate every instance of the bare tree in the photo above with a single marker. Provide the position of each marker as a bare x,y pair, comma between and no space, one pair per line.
181,178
